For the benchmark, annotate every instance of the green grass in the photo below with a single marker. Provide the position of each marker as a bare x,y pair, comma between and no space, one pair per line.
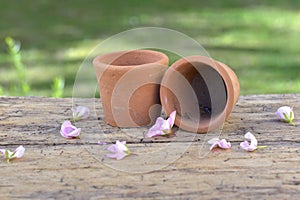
259,40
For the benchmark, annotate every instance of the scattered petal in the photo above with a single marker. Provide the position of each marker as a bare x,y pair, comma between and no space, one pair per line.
158,128
223,144
246,146
17,153
119,150
213,140
285,114
69,131
253,142
162,127
101,143
214,145
2,151
171,118
250,137
80,112
216,142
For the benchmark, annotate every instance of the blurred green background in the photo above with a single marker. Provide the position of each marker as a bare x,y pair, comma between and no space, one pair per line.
259,40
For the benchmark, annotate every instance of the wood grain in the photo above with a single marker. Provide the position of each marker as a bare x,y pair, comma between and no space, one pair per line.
180,167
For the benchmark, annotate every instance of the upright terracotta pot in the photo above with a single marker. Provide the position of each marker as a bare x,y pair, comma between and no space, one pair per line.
202,91
129,86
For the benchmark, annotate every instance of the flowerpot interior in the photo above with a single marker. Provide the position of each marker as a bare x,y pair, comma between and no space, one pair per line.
198,93
129,86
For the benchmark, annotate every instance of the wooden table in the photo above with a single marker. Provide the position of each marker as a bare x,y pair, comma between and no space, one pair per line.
180,167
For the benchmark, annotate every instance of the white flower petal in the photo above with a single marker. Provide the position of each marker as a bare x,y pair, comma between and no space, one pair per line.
213,140
214,145
253,144
249,136
19,152
80,112
285,114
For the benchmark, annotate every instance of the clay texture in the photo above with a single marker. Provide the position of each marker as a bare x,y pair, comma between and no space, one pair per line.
129,83
202,91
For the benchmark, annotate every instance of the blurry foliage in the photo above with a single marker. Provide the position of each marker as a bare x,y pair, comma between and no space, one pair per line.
1,91
258,39
21,87
58,87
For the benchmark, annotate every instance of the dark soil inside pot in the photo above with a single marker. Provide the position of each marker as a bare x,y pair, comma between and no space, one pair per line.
209,89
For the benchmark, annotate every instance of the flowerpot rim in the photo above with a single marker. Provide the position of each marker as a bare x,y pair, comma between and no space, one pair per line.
102,60
204,125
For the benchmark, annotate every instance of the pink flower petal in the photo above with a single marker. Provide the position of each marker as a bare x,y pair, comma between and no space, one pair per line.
101,143
253,144
216,142
69,131
17,153
161,126
244,144
121,155
171,119
224,144
75,132
2,151
111,155
119,150
121,146
118,156
80,112
247,147
112,148
250,137
158,127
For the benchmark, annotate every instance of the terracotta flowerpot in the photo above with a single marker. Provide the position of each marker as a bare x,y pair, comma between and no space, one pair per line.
202,91
129,83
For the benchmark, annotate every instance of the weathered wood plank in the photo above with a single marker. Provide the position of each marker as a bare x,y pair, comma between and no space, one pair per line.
73,172
173,168
42,118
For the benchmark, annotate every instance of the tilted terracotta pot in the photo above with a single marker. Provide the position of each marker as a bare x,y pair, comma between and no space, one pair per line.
202,91
129,83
